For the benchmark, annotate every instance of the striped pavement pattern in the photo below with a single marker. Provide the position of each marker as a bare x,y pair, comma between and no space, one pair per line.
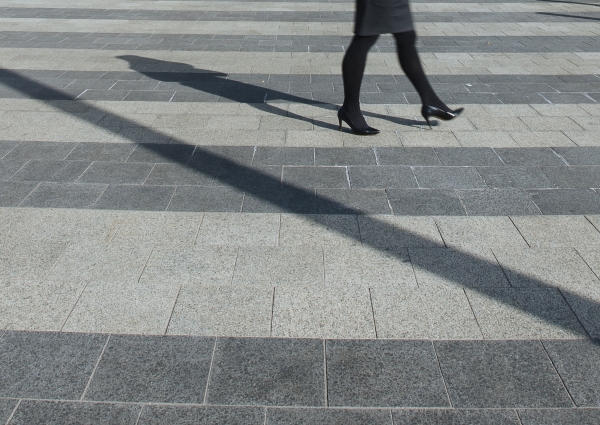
187,237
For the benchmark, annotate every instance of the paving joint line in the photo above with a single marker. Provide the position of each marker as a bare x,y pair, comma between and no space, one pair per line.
95,368
557,373
212,359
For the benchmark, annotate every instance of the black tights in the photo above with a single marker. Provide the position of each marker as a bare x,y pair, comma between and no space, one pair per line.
353,68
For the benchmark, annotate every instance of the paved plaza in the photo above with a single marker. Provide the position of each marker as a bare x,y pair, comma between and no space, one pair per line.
187,238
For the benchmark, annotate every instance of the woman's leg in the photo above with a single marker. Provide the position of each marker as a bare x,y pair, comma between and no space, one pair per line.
353,68
411,65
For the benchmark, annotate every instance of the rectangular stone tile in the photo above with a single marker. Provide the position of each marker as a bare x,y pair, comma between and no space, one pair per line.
29,261
162,153
239,229
206,199
500,374
178,174
46,151
136,197
318,312
159,227
548,267
431,311
51,171
577,365
266,155
524,313
448,178
8,167
274,266
354,201
425,202
190,265
550,123
344,156
316,177
559,416
92,151
399,232
448,266
436,138
383,374
13,193
529,157
285,123
515,177
497,202
222,311
481,138
479,232
249,178
47,365
496,123
190,415
574,177
321,230
64,195
116,173
42,306
60,224
109,95
580,155
584,138
328,416
555,231
468,157
566,201
364,177
272,372
455,416
90,261
119,307
368,267
536,139
413,156
144,369
280,199
34,412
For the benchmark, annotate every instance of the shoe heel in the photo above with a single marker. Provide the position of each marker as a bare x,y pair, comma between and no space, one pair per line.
428,123
340,124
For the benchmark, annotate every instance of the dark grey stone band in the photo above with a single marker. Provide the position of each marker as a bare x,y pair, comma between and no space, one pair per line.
197,85
290,43
274,16
117,375
590,2
402,181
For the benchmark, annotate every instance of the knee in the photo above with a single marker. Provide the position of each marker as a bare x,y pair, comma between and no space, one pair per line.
405,39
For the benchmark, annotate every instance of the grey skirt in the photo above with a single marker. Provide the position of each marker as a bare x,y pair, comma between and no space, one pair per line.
382,17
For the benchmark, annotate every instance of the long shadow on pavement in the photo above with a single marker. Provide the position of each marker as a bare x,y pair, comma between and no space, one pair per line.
287,198
218,84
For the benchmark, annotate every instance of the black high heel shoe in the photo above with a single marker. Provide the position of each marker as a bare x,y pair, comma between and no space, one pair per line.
344,116
431,111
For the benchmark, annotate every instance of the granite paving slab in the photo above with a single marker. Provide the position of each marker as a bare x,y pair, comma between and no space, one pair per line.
500,374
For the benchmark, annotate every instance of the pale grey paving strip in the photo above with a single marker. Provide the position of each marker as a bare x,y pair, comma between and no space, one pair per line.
197,85
282,16
289,43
